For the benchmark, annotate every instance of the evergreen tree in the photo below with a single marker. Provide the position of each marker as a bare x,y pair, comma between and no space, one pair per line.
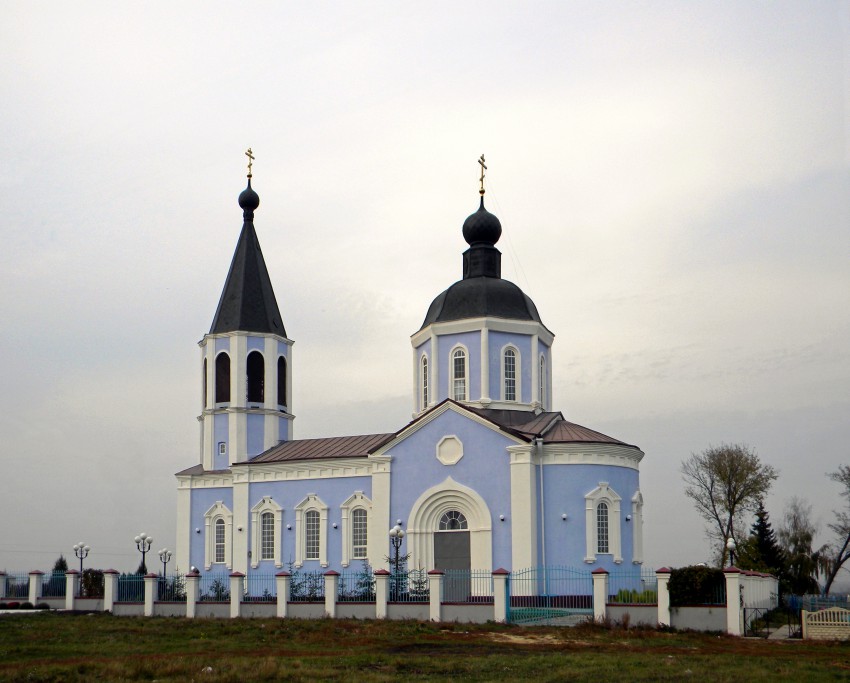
61,565
761,551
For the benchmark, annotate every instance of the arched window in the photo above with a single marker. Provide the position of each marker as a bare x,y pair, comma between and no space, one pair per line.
453,521
222,378
602,528
281,381
267,536
205,384
256,372
312,534
219,540
359,530
543,381
459,375
423,382
510,375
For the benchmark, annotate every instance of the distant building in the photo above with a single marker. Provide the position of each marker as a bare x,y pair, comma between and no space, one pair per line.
487,474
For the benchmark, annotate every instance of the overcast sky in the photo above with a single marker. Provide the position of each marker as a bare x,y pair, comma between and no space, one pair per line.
673,182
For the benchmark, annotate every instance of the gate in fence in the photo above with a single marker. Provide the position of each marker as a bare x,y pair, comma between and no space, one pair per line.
561,596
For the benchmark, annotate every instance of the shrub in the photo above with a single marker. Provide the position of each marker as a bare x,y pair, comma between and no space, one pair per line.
26,605
13,605
697,585
42,605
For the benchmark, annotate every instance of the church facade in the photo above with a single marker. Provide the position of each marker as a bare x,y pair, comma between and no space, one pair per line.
487,474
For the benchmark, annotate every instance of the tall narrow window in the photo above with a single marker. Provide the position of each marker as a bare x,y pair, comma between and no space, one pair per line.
510,375
267,536
423,380
222,378
312,534
256,370
205,384
602,528
359,528
459,375
542,381
281,381
219,540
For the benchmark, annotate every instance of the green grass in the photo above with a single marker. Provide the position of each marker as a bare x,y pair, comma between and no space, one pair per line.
68,647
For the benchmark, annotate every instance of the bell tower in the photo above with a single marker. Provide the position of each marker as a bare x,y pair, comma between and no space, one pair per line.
246,358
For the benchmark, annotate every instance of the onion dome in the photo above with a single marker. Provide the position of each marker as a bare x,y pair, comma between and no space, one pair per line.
482,227
248,199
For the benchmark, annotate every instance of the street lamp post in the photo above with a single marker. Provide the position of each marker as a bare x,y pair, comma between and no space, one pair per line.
143,544
81,550
396,539
730,546
165,557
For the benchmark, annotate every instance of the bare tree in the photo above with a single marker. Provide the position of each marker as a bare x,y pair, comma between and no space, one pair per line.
835,554
796,535
725,482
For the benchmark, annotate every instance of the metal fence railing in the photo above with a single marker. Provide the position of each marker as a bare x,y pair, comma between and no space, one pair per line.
356,586
632,587
214,588
260,588
467,586
307,586
17,585
815,603
131,588
550,595
54,585
171,588
409,586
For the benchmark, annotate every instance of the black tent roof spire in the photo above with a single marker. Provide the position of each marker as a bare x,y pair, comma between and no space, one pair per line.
247,302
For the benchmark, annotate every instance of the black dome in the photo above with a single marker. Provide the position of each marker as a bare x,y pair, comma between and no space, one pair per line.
248,199
482,227
478,297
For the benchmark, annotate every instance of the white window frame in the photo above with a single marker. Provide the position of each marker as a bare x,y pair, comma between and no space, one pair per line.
455,349
311,502
358,500
266,504
602,494
423,382
216,512
517,374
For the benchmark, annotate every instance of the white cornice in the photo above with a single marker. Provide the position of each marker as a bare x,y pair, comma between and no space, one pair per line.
204,481
433,415
330,468
612,455
242,333
529,327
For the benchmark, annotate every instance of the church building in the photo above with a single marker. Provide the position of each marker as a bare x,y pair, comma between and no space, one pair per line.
487,474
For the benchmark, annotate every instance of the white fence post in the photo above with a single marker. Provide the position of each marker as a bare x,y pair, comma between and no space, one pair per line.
435,594
600,593
150,580
193,579
283,581
500,595
72,587
110,589
36,580
331,590
733,600
237,588
382,589
663,598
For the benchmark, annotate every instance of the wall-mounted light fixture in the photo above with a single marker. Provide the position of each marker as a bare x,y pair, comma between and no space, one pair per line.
289,527
501,518
564,516
335,525
239,528
197,530
628,518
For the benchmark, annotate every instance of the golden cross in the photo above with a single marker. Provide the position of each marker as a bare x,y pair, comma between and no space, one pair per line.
483,168
250,156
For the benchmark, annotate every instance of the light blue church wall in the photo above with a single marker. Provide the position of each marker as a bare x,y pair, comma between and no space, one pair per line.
484,468
288,494
257,344
221,430
222,344
564,489
256,424
203,500
497,341
445,345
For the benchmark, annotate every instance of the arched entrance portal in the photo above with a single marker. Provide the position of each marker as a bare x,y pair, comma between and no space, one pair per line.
451,542
436,536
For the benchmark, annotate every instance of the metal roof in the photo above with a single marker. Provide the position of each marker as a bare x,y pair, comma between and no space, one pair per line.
316,449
